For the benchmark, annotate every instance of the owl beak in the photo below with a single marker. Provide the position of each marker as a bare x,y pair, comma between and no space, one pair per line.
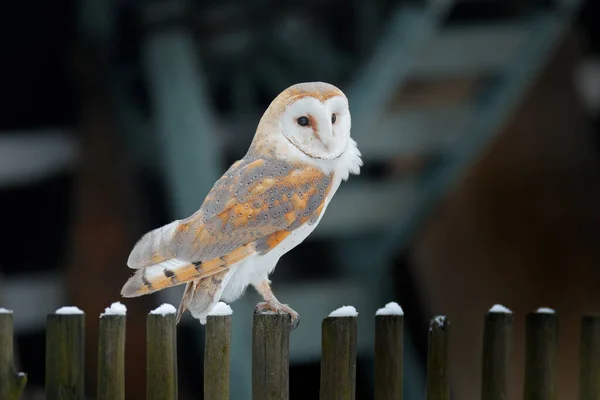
322,138
326,139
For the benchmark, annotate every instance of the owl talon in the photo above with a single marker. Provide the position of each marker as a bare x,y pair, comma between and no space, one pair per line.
295,321
261,307
279,308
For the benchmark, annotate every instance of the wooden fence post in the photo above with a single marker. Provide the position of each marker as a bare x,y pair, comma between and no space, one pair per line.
11,383
497,346
65,346
589,373
217,353
111,353
270,356
161,354
540,362
437,360
389,334
338,355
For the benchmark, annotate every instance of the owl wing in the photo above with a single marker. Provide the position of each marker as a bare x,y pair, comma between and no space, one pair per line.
250,210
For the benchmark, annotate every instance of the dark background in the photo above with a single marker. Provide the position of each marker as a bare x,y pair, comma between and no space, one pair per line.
519,225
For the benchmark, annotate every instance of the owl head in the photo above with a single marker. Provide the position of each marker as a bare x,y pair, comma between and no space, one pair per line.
313,117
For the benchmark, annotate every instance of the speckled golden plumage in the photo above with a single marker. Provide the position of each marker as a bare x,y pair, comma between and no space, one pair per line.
250,209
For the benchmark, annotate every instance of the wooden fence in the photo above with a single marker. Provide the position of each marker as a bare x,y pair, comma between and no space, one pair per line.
270,350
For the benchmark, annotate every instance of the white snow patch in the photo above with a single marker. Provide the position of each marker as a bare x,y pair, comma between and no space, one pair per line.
5,311
345,311
545,310
116,308
391,308
221,309
68,310
164,309
499,308
438,320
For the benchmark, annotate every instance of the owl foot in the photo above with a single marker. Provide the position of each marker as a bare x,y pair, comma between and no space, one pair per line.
277,307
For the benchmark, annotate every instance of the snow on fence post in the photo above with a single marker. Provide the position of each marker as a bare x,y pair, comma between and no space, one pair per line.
270,355
589,373
217,353
65,344
497,347
389,335
111,353
11,383
540,356
437,359
161,354
338,355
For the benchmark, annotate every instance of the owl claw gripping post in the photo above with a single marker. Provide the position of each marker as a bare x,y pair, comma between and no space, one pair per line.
262,207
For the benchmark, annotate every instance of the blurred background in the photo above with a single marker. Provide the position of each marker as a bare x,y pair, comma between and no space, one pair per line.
479,126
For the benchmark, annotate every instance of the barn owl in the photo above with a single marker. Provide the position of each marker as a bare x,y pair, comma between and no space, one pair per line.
266,204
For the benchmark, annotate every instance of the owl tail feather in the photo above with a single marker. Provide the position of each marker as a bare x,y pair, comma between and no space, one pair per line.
188,293
167,274
205,294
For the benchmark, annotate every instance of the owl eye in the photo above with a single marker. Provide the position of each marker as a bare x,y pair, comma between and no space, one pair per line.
333,118
303,121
